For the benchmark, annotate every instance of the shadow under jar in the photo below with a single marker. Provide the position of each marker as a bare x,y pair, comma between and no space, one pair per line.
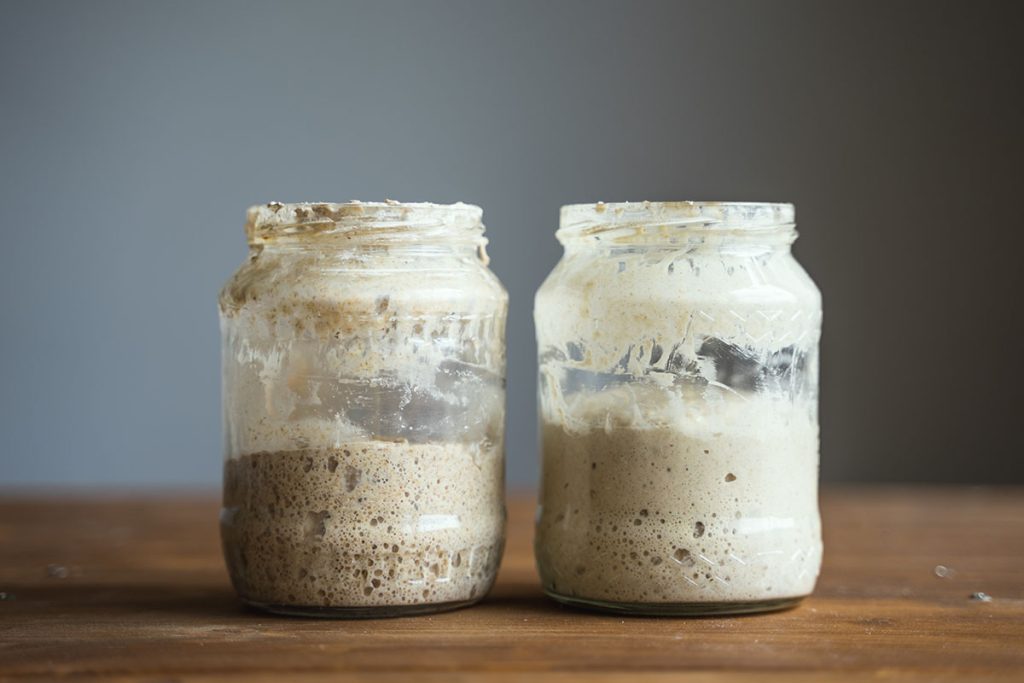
364,402
678,398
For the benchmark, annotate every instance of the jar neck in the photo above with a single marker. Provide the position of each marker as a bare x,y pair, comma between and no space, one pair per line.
328,250
678,226
367,226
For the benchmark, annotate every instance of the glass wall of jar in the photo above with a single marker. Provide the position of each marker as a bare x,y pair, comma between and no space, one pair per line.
364,403
678,399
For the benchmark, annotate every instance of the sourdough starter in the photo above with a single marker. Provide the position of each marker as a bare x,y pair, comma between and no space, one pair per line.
370,524
688,513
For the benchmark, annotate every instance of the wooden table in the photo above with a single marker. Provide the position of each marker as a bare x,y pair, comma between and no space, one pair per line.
133,587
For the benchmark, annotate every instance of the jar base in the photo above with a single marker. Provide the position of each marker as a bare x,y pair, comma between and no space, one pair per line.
360,612
678,609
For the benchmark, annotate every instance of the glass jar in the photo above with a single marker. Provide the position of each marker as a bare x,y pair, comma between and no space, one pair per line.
678,396
364,405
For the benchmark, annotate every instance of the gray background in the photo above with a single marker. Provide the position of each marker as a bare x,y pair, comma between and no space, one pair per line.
133,136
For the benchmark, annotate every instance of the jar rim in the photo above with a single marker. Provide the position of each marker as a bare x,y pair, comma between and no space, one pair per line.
384,221
582,221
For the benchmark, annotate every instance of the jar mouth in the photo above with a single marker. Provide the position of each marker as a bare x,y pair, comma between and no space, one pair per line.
661,221
387,221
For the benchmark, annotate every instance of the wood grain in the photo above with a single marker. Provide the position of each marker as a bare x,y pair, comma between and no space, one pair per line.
133,588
